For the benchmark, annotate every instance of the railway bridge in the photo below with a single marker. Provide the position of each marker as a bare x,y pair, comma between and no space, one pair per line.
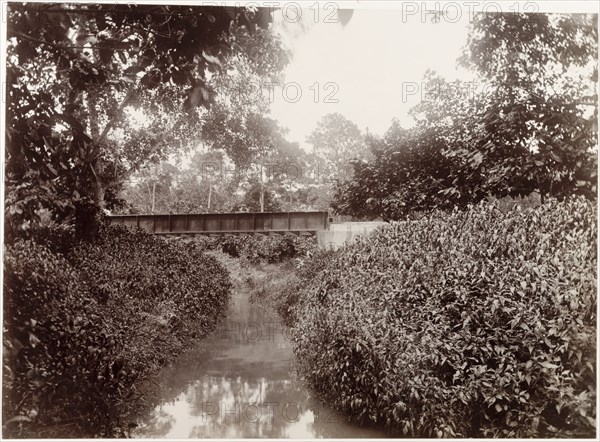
240,223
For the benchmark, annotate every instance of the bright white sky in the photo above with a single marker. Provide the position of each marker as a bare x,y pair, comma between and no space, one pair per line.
378,60
374,66
369,60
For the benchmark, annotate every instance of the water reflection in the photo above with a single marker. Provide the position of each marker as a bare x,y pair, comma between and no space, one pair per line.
240,383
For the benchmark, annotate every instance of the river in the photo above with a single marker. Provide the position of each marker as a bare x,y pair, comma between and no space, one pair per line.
240,383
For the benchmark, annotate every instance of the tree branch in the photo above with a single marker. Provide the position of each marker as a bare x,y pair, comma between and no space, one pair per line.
111,122
96,11
43,42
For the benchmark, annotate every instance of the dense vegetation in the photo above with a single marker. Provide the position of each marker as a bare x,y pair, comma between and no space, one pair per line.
528,123
70,144
280,176
86,323
98,94
261,249
464,323
477,323
89,311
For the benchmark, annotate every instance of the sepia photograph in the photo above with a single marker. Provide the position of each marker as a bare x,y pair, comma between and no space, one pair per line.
299,220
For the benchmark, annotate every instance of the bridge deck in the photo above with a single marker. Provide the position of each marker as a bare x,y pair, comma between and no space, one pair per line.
241,223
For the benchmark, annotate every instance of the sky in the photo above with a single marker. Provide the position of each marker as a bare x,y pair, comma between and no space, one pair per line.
370,71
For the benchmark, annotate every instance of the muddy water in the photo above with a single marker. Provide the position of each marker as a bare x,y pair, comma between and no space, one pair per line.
240,383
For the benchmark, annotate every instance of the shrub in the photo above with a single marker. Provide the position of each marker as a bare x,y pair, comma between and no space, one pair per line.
83,328
148,268
59,238
54,328
478,323
288,298
203,242
268,249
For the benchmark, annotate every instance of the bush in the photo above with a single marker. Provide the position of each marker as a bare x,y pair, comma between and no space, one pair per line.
474,324
148,268
51,321
59,238
203,242
83,328
288,298
267,249
256,249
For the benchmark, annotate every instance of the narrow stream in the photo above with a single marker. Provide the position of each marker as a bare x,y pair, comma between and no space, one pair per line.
240,383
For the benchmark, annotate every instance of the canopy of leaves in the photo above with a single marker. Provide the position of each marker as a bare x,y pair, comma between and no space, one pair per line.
544,71
336,140
531,127
238,122
73,70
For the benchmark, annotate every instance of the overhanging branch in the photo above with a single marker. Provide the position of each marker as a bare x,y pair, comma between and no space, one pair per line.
111,122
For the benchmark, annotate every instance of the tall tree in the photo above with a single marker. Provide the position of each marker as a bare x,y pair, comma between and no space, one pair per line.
406,174
336,140
532,128
206,184
238,122
74,69
210,168
543,69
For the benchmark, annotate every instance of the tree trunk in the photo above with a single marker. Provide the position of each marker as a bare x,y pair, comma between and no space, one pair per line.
209,195
262,189
87,221
149,193
88,213
153,197
262,197
88,210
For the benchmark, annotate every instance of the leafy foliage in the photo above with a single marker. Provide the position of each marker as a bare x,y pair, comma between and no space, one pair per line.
337,140
237,123
545,67
212,183
259,197
287,300
74,70
408,173
530,127
478,323
265,249
83,329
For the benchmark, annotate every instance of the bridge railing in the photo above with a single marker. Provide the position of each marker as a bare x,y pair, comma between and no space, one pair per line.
219,223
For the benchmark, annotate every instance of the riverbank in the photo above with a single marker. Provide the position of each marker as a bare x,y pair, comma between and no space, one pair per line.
475,323
87,324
